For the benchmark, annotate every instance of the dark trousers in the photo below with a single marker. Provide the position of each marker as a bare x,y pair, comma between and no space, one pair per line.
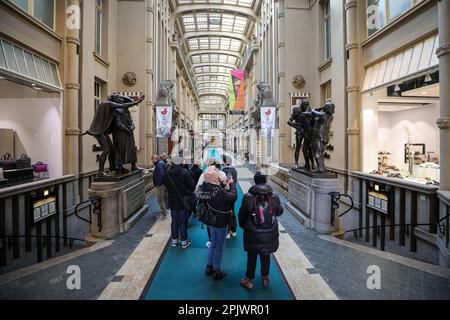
251,264
233,224
179,224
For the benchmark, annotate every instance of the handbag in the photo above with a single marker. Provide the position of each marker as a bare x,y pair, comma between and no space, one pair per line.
24,162
7,162
188,200
40,167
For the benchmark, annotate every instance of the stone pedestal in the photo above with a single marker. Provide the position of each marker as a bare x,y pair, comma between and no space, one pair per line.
122,203
310,200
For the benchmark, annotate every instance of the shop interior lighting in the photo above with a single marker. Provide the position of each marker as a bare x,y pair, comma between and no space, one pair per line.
397,88
428,78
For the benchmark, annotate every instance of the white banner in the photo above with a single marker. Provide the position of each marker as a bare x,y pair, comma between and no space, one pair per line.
268,121
163,122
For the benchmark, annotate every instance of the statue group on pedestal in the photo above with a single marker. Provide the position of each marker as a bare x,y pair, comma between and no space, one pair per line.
113,117
313,131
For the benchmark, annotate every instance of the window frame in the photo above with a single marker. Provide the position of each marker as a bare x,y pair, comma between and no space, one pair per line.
98,24
326,10
97,98
387,15
30,12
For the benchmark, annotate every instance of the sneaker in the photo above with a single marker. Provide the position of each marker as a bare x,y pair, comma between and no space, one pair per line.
185,244
228,236
247,284
175,242
209,271
234,234
219,275
208,244
266,282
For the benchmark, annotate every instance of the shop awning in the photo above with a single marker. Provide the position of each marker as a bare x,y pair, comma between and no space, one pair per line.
413,61
22,65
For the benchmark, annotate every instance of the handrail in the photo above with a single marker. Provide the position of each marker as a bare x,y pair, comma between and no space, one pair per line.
335,198
96,202
71,240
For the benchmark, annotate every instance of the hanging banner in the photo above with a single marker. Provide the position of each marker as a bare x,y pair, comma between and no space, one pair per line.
163,122
236,92
268,121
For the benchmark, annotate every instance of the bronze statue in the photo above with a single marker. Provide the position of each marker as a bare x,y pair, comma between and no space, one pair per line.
108,118
302,123
313,131
323,118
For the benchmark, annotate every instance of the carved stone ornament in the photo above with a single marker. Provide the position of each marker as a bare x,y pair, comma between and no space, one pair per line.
298,82
129,78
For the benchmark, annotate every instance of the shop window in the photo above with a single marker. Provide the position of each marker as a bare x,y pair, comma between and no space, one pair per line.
98,25
381,12
42,10
327,28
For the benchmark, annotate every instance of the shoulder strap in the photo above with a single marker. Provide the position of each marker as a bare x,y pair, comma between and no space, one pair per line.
175,186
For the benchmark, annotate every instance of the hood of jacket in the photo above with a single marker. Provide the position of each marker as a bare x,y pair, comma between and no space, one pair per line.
175,169
208,191
261,189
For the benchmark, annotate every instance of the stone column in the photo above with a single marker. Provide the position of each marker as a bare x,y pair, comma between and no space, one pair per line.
443,53
71,101
281,76
353,94
150,98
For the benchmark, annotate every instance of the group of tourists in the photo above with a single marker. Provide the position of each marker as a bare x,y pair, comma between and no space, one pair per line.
183,191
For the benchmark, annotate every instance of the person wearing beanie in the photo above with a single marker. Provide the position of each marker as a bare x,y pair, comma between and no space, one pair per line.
180,186
258,217
219,201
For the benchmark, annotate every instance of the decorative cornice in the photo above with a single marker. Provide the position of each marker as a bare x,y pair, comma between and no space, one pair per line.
351,46
443,123
281,45
352,89
351,4
443,50
325,64
72,86
74,40
72,131
102,60
353,132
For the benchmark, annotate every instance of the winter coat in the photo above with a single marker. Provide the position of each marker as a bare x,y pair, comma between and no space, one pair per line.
184,182
196,173
219,200
159,173
229,170
264,241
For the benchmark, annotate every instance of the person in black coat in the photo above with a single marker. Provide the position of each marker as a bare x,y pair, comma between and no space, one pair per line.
232,175
219,202
196,172
158,181
179,184
262,241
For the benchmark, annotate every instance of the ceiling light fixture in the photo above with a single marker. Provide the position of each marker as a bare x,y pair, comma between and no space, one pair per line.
428,78
397,88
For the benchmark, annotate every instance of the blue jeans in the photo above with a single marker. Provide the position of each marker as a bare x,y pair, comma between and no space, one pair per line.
215,252
179,224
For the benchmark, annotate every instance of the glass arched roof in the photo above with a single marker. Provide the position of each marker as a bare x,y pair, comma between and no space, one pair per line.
215,36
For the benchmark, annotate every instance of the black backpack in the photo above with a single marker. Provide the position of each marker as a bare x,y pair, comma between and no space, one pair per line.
263,216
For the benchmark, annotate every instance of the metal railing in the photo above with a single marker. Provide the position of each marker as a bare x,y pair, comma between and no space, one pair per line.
335,198
96,208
